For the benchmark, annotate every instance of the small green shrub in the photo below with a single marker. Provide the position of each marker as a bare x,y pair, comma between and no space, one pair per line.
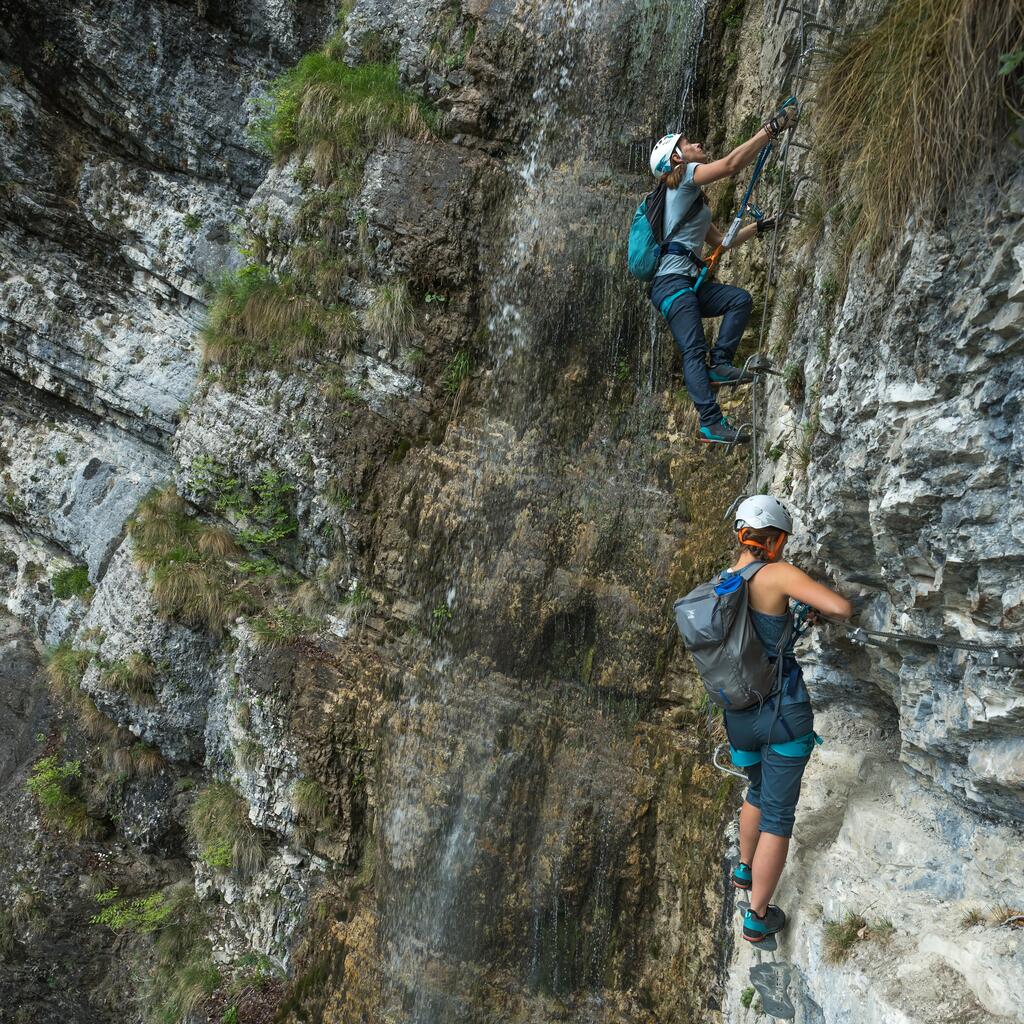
192,221
281,627
133,676
333,114
440,617
219,824
50,781
141,915
264,508
747,997
71,582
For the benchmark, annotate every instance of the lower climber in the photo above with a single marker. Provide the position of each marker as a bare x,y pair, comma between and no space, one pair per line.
684,167
772,742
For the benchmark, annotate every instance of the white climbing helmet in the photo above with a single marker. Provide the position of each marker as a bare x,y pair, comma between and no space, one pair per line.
762,510
661,155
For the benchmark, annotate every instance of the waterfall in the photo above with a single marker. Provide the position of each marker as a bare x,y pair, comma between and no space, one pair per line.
513,788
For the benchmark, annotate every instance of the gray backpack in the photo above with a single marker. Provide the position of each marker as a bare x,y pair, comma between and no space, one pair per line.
715,625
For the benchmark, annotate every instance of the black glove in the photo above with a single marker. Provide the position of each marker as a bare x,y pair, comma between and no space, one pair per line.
772,223
785,118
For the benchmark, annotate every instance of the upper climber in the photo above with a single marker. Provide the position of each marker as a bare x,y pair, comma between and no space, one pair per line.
684,168
772,740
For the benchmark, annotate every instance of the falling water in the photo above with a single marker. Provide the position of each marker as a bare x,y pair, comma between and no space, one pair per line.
509,801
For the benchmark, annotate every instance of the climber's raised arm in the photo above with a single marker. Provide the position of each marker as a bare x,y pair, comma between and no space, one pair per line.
743,155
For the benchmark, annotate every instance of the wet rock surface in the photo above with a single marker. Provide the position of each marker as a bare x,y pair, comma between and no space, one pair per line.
467,762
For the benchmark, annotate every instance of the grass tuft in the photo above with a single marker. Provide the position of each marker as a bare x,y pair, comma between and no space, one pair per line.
219,824
65,667
192,581
259,323
133,677
312,802
334,115
914,107
842,936
390,315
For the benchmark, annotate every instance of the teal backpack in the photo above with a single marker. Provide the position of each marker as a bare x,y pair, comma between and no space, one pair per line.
645,248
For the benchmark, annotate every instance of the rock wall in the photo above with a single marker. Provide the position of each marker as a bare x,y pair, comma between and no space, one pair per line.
895,433
369,675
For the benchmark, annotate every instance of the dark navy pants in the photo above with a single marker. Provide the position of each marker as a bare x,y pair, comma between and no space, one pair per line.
732,304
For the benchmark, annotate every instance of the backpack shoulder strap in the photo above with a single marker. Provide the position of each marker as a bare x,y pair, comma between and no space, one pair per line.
749,571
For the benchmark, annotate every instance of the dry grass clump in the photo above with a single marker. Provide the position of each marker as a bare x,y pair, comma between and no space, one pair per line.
193,581
133,676
333,114
65,667
915,106
259,323
311,801
389,316
227,840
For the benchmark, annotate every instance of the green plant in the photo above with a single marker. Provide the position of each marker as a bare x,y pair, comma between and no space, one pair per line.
281,627
794,381
829,290
264,507
230,1015
50,781
333,114
804,449
390,316
434,297
192,221
747,997
887,116
219,824
842,936
259,323
141,915
440,617
71,582
133,676
60,457
456,373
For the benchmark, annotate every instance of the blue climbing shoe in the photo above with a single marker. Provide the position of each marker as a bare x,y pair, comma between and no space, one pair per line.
724,433
726,373
741,876
756,929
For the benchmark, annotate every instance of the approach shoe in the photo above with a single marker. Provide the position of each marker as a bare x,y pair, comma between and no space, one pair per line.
726,373
742,877
724,433
756,928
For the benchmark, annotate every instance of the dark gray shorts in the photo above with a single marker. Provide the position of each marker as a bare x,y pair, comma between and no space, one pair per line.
774,763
